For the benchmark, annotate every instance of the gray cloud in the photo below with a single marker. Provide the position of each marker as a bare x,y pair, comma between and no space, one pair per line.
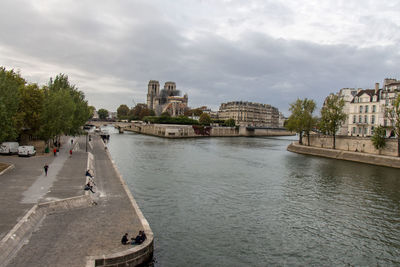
111,51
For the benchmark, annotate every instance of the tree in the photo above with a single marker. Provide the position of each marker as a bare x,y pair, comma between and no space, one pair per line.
103,113
230,123
378,139
301,120
332,116
205,119
10,85
91,111
122,112
30,108
165,114
393,113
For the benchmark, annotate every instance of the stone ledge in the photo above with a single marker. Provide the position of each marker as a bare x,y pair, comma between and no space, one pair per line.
386,161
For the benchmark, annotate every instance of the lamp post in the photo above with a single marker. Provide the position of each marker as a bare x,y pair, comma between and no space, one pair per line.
86,140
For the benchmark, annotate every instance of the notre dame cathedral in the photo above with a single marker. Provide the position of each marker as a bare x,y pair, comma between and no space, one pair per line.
167,99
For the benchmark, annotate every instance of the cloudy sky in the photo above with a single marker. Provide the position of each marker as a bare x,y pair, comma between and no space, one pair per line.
266,51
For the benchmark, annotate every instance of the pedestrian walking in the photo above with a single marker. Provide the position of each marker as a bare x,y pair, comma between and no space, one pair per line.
46,168
55,152
72,142
70,153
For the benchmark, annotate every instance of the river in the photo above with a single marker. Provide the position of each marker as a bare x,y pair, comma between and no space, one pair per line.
249,202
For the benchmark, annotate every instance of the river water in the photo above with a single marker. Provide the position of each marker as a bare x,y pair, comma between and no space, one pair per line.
249,202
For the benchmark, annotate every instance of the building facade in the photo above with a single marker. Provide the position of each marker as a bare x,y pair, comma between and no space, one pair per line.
166,100
367,108
250,114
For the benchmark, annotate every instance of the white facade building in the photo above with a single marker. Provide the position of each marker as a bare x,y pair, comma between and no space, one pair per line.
366,109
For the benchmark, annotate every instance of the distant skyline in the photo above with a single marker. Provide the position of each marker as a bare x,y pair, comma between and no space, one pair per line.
262,51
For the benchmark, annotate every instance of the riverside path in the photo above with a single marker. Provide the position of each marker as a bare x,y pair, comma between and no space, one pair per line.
66,238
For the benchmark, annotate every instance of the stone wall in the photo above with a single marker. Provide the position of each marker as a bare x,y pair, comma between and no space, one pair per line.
379,160
184,131
352,143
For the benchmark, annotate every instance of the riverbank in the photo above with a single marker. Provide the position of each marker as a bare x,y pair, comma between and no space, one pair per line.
195,131
57,223
380,160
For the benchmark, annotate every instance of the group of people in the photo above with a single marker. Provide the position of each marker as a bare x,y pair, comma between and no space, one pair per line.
139,239
90,183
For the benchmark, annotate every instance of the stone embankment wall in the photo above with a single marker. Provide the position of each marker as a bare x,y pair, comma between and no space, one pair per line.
186,131
352,143
379,160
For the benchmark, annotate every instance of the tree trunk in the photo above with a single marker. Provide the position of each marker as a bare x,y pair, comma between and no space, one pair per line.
301,138
334,141
308,139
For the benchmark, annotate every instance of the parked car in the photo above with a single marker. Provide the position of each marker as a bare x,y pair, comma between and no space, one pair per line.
26,151
9,148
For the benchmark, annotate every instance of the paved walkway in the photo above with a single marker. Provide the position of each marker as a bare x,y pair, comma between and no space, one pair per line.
66,239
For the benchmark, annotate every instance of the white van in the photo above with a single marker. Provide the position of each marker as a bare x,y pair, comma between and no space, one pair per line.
26,151
9,148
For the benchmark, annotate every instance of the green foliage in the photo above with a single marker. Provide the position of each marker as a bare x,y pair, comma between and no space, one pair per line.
122,112
230,123
91,111
205,119
332,116
58,108
103,113
378,139
170,120
301,120
393,113
10,85
30,109
140,111
165,114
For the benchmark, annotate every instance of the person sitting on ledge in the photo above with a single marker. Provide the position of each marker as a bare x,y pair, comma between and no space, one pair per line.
88,186
140,238
124,239
88,174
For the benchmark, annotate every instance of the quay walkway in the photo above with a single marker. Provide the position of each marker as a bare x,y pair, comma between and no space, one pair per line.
85,235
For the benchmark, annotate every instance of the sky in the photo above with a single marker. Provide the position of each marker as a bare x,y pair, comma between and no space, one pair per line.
264,51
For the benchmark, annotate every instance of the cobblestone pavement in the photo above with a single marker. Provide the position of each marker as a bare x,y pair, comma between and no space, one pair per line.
66,239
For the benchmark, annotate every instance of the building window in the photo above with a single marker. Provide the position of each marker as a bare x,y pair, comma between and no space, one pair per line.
366,119
365,130
354,118
373,119
359,130
366,109
354,130
372,129
360,119
361,108
373,108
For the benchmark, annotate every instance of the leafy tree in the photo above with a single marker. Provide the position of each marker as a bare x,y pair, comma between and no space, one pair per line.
332,116
10,84
230,123
301,120
30,108
122,112
103,113
140,111
393,113
165,114
91,111
378,139
205,119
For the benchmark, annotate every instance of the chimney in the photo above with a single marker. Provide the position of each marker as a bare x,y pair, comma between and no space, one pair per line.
376,88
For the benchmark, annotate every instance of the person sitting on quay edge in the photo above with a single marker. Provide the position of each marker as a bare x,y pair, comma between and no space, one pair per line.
88,186
124,239
88,174
140,238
